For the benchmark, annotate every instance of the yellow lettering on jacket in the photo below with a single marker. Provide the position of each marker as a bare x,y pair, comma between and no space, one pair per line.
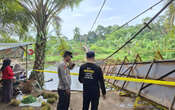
88,71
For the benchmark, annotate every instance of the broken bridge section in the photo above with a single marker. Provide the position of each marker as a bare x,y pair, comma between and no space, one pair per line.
156,70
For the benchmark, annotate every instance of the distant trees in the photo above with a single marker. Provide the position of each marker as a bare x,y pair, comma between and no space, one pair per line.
146,44
77,35
7,39
92,36
101,31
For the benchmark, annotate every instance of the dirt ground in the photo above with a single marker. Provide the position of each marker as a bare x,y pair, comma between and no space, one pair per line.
112,102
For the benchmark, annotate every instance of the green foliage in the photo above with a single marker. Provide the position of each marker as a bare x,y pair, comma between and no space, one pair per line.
146,43
4,38
14,20
77,36
28,100
171,14
63,46
103,43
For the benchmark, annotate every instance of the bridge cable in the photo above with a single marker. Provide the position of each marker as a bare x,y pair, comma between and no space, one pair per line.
137,16
102,6
98,15
146,25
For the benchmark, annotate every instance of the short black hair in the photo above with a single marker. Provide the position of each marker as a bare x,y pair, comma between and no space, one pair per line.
90,54
67,53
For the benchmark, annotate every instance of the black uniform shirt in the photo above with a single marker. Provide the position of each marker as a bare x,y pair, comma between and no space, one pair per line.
91,76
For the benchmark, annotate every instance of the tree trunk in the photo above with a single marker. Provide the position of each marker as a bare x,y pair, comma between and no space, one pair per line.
39,59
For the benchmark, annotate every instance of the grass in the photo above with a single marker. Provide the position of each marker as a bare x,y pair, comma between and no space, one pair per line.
53,58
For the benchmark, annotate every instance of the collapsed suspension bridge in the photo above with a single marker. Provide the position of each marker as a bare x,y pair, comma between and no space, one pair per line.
149,80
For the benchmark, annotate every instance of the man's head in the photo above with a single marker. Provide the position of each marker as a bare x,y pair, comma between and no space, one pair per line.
67,56
90,56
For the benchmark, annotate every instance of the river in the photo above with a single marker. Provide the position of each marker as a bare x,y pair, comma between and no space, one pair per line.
52,85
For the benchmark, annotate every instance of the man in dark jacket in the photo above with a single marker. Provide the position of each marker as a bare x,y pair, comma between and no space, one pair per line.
91,76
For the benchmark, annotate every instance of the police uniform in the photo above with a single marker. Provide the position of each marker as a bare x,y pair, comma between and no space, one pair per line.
64,84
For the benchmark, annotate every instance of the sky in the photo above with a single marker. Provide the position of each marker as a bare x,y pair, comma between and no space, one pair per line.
114,12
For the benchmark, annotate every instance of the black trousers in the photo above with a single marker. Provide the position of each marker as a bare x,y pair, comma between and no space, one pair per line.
87,99
7,90
64,100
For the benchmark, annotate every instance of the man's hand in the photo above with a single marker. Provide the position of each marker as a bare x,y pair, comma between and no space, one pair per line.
68,91
104,97
71,65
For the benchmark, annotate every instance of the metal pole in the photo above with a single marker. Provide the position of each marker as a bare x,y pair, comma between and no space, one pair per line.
167,74
134,64
112,71
26,60
123,74
120,69
107,72
146,77
172,104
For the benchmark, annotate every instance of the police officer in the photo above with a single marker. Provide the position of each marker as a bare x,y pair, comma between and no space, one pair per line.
91,76
64,81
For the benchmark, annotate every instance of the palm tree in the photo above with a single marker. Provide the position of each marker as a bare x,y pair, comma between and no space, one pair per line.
41,13
13,19
170,17
171,13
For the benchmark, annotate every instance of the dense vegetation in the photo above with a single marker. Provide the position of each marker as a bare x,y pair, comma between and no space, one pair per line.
105,40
